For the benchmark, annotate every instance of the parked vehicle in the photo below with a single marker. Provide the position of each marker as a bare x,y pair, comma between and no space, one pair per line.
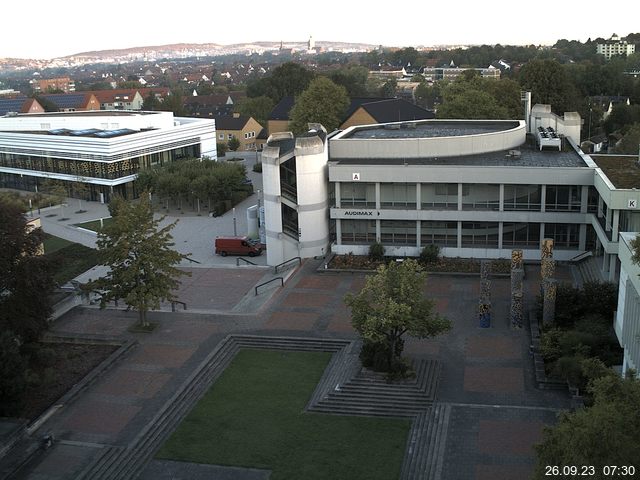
237,246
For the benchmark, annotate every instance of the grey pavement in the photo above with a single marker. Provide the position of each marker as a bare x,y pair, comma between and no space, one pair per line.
193,234
487,377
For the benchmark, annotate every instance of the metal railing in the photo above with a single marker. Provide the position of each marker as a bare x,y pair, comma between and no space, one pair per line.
275,269
173,305
266,283
248,262
192,260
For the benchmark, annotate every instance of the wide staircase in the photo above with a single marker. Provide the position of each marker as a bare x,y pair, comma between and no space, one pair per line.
589,270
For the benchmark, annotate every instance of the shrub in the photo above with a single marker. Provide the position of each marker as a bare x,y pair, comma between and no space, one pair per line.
257,167
376,252
429,254
221,149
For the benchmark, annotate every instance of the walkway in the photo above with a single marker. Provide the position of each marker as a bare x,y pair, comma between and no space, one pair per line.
494,413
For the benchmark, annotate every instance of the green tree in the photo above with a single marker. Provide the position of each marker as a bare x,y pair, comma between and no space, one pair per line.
258,107
630,142
25,277
151,103
353,78
233,144
289,79
392,304
607,433
140,257
323,102
174,103
13,367
221,149
389,88
427,96
549,84
470,104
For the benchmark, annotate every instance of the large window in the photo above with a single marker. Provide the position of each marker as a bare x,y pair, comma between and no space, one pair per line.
398,232
565,236
288,180
290,222
358,231
398,195
481,196
563,198
480,234
522,235
444,234
439,196
592,200
522,197
357,195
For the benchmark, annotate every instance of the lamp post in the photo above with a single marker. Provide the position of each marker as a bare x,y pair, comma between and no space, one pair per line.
235,229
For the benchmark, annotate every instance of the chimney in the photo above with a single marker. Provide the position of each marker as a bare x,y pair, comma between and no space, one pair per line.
236,115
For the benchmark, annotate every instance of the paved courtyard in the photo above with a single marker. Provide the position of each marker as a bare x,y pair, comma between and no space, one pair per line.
497,413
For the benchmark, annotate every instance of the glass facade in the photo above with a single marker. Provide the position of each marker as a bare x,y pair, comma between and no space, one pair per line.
290,221
480,234
563,198
358,231
481,197
439,196
522,197
443,234
565,236
398,232
358,195
398,195
521,235
288,181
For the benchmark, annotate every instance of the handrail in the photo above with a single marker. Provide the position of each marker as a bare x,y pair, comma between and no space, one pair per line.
275,269
272,280
192,260
581,256
244,260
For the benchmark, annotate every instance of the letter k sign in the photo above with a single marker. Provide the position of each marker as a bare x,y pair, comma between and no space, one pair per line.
632,203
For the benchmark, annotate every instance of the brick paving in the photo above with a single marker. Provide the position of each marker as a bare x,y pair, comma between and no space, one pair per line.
482,368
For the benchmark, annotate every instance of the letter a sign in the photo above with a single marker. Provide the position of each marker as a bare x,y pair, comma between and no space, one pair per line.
356,177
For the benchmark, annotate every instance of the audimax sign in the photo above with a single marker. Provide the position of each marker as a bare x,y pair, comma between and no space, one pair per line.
360,213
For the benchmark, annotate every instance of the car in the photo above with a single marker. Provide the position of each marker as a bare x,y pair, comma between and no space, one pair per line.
237,246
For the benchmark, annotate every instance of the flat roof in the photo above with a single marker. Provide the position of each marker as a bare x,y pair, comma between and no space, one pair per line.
622,170
530,156
431,129
90,113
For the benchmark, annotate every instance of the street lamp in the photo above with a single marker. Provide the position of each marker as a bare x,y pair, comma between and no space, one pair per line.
235,229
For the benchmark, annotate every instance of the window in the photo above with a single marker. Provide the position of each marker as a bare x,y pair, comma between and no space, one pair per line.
221,136
522,197
563,198
480,234
357,195
229,136
565,236
523,235
398,195
444,234
439,196
398,232
358,231
481,197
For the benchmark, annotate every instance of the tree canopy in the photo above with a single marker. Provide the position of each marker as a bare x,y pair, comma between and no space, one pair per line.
473,97
607,433
549,84
140,257
288,79
257,107
392,304
323,102
26,281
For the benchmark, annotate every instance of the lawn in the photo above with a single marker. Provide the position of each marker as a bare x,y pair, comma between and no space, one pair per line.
253,416
94,225
68,259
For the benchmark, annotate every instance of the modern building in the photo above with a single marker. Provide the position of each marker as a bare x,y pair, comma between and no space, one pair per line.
614,46
104,149
627,317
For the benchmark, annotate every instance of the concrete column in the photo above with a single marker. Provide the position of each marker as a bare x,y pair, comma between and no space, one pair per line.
377,195
500,229
338,231
582,238
605,262
584,198
501,205
613,264
600,204
459,200
378,237
542,236
459,234
418,197
607,223
418,239
543,200
615,226
337,194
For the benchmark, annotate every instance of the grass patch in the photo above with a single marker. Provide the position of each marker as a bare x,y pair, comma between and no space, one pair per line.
69,259
253,417
94,225
53,244
137,328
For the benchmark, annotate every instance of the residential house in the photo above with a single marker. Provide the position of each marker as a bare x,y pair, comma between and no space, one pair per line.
45,85
245,129
73,102
19,105
119,99
614,47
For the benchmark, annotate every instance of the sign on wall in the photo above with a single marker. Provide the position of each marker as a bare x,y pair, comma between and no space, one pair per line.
632,203
355,177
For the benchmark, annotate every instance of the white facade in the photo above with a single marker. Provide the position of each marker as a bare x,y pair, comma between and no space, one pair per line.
101,148
627,317
294,174
614,46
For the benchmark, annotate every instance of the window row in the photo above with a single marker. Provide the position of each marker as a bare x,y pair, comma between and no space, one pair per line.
446,196
472,234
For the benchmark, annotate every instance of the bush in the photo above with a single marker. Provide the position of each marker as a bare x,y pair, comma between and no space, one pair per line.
429,254
13,368
257,167
375,356
376,252
221,149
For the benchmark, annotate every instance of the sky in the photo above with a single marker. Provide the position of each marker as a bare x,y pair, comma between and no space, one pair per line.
47,30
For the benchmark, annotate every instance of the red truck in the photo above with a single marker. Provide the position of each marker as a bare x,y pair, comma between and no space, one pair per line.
237,246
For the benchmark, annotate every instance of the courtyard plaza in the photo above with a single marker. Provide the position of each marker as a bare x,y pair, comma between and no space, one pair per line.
496,412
